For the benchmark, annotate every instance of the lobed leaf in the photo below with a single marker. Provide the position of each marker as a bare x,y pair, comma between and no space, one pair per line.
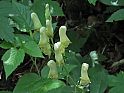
12,59
6,31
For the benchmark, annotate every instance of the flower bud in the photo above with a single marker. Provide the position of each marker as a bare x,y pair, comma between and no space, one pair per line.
94,57
49,29
47,13
44,42
63,37
53,73
36,21
84,79
58,54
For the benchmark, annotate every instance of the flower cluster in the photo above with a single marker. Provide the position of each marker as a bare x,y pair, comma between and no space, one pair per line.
46,34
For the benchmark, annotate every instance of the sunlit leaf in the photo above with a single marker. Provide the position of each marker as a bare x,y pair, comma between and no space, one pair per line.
12,59
22,17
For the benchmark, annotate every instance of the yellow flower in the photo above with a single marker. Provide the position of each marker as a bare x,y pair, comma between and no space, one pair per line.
58,54
53,73
84,79
49,29
63,37
36,21
44,42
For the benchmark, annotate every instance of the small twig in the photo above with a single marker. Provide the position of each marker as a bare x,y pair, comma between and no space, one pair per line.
115,64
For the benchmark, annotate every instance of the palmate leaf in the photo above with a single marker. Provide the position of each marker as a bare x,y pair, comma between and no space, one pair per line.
29,45
99,79
32,83
22,17
116,16
11,59
6,32
5,8
32,49
116,83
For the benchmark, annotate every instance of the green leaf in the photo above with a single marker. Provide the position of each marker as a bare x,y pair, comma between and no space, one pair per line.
73,59
25,2
39,8
92,1
22,17
116,16
6,32
24,37
5,45
45,72
5,92
99,79
117,83
32,83
65,89
66,70
55,9
32,49
5,8
12,59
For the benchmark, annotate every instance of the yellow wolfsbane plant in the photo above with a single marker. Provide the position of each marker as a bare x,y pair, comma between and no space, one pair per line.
49,29
36,21
58,54
53,73
63,37
44,42
84,79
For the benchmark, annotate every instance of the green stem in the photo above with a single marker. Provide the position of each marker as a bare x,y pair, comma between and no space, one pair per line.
31,34
35,64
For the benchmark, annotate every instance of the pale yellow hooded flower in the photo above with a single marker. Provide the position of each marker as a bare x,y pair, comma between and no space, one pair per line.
53,73
58,54
84,79
36,21
63,37
44,42
49,29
